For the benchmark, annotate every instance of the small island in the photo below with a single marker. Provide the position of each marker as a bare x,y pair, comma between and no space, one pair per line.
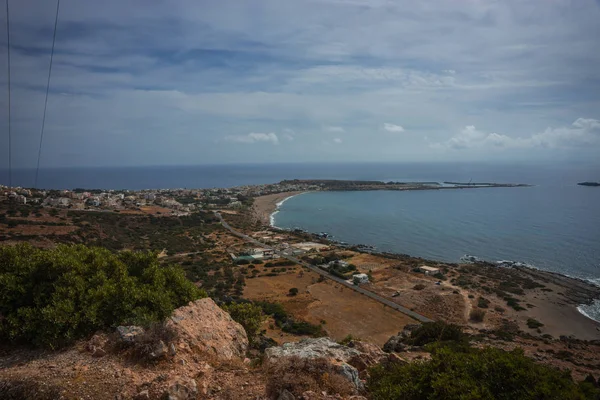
589,183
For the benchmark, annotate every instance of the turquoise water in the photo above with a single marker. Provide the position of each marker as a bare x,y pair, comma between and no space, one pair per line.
555,228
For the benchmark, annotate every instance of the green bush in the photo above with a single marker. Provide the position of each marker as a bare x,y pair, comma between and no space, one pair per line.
478,374
476,315
248,315
52,297
437,331
482,302
533,323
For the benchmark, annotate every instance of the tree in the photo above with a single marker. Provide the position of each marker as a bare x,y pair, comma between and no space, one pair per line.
248,315
52,297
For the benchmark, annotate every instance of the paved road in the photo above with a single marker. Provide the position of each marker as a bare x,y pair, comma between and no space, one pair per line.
319,271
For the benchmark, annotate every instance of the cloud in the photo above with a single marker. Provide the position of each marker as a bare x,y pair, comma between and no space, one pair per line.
337,140
392,128
134,69
254,138
334,129
582,132
288,134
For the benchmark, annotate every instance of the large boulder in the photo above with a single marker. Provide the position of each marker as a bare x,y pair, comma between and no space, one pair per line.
203,327
313,348
341,357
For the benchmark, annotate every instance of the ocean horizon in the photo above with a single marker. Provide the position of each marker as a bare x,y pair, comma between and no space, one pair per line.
229,175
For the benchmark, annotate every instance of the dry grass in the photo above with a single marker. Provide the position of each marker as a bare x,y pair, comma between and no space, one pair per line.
297,375
477,315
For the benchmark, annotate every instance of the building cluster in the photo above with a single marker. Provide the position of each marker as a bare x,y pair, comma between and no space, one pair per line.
179,201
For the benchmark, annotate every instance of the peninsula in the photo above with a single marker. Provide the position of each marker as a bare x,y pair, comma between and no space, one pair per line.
589,184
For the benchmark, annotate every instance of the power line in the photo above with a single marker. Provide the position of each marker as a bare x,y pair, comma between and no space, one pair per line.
9,125
37,170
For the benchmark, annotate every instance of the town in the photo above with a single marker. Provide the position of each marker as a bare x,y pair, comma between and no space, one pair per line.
178,201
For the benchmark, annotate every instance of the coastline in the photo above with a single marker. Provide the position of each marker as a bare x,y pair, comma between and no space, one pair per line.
577,294
266,206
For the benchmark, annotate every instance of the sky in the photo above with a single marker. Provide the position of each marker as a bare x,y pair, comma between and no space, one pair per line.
182,82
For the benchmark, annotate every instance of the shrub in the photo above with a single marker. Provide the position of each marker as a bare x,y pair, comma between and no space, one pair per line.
242,262
437,331
440,276
274,309
419,286
302,328
293,291
514,303
298,375
52,297
488,373
476,315
482,302
533,323
257,262
250,316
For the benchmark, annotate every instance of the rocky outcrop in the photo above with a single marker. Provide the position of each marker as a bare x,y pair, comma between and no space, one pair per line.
181,389
397,343
350,361
128,334
202,327
313,348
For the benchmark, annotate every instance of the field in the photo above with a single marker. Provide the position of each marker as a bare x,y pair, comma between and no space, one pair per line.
344,311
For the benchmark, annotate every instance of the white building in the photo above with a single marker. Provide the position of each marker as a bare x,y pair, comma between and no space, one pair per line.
360,279
428,270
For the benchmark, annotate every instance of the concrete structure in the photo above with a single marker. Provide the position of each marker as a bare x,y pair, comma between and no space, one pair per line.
360,278
428,270
308,246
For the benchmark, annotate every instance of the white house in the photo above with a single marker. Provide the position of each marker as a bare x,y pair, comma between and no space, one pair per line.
360,278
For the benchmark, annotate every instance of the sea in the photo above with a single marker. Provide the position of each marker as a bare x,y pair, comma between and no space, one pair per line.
553,225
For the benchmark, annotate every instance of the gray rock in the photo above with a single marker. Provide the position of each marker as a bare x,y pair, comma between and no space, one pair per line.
350,373
172,350
160,350
128,334
313,348
336,354
182,389
395,344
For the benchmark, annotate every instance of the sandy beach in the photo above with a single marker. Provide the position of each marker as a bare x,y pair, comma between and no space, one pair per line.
266,205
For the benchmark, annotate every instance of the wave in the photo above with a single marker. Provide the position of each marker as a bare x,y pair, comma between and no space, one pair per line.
592,311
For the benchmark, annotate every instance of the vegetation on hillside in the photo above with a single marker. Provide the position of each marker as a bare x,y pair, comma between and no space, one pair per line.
248,315
457,371
52,297
488,373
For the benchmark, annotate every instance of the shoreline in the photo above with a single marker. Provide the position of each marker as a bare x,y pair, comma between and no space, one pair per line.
267,206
